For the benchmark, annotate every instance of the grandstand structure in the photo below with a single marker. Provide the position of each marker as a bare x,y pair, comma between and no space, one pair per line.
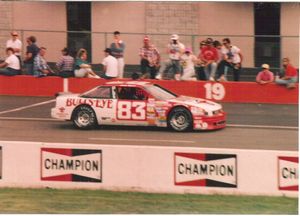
265,32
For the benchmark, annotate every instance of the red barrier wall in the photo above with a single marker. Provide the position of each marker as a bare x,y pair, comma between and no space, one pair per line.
239,92
30,86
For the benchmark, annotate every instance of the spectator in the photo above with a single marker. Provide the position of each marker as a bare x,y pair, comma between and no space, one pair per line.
40,65
31,51
175,50
265,76
200,65
117,51
110,64
82,67
150,58
16,44
65,65
290,75
209,56
187,62
218,46
11,65
232,57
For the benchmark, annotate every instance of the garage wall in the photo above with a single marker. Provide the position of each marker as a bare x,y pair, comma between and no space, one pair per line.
290,21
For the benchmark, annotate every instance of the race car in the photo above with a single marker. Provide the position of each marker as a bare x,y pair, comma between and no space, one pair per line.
140,104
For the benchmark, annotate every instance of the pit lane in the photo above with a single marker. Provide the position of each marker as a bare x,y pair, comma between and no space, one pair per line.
250,126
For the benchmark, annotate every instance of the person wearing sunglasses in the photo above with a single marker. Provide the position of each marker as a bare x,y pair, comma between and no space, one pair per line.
16,44
232,58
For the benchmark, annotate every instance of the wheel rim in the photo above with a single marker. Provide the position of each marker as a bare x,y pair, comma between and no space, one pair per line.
83,118
179,121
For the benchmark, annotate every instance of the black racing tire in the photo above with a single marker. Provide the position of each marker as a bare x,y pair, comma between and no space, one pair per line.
180,119
84,117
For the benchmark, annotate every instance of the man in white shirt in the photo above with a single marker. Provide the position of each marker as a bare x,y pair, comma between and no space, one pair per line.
175,51
15,43
232,57
11,65
110,65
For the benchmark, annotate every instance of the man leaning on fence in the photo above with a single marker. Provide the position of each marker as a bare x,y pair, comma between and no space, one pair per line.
175,50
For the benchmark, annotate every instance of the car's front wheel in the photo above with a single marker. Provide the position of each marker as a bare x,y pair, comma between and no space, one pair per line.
180,119
84,117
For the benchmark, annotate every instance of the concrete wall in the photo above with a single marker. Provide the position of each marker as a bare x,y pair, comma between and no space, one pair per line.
290,21
42,16
118,16
229,19
134,19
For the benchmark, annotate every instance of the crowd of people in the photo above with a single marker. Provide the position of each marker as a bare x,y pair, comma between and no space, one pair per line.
213,62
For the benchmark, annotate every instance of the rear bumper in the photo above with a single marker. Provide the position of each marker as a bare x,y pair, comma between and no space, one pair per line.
210,123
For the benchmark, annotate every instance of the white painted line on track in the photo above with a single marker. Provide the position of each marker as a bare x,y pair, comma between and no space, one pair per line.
141,140
26,107
30,119
228,125
262,126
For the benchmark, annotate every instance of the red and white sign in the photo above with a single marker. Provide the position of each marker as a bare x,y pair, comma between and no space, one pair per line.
77,165
288,173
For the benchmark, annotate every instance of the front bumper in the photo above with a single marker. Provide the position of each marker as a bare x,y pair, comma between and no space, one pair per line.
59,113
210,122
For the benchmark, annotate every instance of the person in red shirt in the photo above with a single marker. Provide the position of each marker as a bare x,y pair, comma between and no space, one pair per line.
290,75
209,56
265,76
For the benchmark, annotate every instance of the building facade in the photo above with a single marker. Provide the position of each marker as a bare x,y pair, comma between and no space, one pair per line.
90,25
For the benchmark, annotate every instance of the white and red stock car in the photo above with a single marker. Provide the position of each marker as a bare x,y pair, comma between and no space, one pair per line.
140,104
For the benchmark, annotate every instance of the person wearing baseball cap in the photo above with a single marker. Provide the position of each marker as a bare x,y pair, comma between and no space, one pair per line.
265,76
188,61
175,50
150,58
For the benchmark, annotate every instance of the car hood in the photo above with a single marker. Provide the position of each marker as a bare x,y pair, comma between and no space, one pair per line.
197,102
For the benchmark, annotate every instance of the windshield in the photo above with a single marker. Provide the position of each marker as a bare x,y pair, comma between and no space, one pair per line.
159,92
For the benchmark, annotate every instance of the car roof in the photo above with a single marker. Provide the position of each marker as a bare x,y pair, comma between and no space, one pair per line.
128,83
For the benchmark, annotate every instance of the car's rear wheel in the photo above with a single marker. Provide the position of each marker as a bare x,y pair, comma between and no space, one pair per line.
84,117
180,119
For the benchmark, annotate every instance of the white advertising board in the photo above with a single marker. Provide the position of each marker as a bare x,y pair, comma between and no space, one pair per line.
149,169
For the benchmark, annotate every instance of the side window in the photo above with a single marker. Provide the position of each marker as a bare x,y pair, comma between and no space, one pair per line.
131,93
103,92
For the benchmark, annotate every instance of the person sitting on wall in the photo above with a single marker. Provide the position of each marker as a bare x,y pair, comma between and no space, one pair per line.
40,65
188,60
65,65
82,67
150,59
290,75
110,65
209,56
11,65
265,76
199,64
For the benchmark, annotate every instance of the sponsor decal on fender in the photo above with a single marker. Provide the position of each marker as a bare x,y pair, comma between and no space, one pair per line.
288,173
206,170
100,103
75,165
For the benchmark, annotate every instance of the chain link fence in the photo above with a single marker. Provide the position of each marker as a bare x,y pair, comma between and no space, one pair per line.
256,50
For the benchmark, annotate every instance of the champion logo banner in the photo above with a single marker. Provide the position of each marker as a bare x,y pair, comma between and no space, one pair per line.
288,173
207,170
75,165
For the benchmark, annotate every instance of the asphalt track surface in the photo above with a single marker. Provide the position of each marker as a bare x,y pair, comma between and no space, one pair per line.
250,126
